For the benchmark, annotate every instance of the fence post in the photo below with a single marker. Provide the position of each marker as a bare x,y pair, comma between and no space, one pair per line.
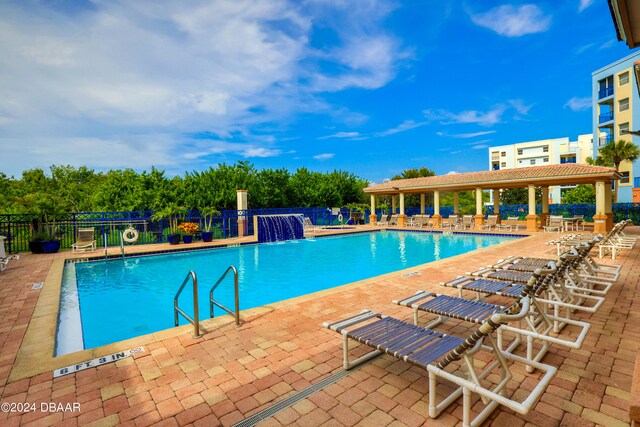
224,227
10,235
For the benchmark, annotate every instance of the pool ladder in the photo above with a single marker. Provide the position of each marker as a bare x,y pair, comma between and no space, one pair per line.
195,321
212,302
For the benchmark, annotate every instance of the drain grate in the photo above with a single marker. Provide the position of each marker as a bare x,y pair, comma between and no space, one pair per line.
292,400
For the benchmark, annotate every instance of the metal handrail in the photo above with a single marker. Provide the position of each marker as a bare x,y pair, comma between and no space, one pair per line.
177,310
213,302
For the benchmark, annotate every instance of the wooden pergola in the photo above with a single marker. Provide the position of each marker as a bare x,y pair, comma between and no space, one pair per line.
495,180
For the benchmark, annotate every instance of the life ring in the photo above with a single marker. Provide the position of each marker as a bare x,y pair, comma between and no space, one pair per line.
340,217
130,235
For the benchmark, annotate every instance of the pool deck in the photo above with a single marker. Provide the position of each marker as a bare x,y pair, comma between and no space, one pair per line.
234,372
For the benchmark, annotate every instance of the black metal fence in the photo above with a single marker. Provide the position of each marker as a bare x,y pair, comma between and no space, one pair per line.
19,229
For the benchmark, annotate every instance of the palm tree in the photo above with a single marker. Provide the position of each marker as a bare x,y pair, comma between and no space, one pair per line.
618,151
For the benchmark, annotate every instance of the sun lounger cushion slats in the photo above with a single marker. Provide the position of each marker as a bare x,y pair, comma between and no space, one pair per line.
471,311
484,285
514,276
414,344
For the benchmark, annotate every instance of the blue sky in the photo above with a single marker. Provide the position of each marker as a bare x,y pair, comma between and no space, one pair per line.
372,87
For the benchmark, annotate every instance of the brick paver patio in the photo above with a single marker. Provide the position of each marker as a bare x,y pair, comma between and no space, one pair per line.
231,373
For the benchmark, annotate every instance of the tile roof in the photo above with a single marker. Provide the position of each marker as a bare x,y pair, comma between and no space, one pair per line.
500,178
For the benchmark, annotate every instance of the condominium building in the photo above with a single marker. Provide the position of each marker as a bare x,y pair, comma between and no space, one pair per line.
542,152
616,111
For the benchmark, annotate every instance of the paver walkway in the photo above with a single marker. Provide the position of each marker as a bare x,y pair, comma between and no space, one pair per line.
232,373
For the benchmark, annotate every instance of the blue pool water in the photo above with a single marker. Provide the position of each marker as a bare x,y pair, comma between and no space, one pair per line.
120,299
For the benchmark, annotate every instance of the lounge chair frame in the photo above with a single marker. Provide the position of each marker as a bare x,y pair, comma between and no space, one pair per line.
86,241
423,347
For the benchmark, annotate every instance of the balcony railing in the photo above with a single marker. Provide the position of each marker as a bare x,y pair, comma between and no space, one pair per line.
604,140
603,93
605,117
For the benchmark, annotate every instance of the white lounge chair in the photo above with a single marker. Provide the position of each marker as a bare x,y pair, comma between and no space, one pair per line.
4,258
467,222
86,241
509,224
492,222
554,224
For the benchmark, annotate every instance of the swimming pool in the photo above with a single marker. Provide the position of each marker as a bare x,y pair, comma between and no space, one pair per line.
107,301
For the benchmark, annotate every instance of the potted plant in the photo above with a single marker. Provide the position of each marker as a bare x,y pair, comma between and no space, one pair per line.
46,207
172,213
189,229
207,215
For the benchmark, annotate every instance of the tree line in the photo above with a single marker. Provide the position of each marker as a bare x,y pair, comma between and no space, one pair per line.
67,189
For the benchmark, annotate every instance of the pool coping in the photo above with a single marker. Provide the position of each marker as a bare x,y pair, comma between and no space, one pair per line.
35,355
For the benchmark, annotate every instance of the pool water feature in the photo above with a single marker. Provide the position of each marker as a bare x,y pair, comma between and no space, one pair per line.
123,298
278,228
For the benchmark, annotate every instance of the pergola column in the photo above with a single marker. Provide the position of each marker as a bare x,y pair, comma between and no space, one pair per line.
496,203
422,203
241,199
373,218
402,218
393,204
600,218
608,205
437,218
456,203
532,218
545,206
479,218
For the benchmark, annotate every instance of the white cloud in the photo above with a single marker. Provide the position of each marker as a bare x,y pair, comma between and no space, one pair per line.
134,67
341,135
402,127
324,156
484,118
479,146
520,107
579,104
584,4
513,21
466,135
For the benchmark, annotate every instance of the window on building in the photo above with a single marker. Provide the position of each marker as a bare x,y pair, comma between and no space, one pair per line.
545,160
623,78
503,164
545,148
623,104
519,151
625,177
503,154
623,128
533,161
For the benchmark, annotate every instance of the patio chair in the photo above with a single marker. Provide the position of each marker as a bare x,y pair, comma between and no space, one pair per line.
575,279
435,352
310,227
538,326
384,222
467,222
509,224
588,268
554,224
393,220
450,222
492,222
86,241
4,258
